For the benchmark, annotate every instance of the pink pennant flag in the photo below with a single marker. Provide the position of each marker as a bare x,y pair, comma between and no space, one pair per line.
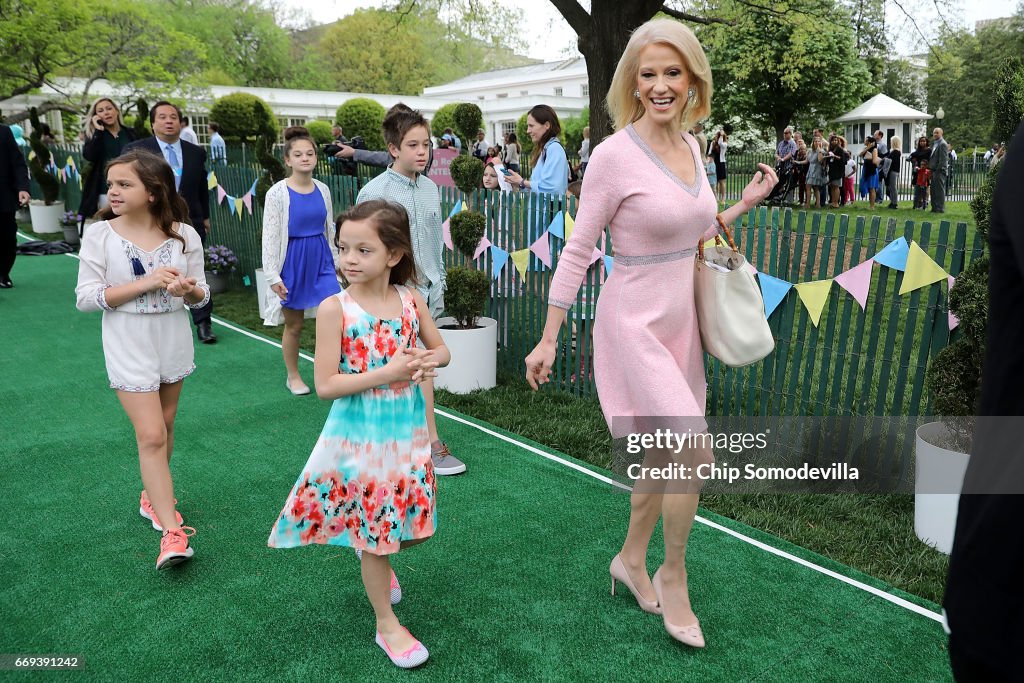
857,281
221,194
953,320
596,255
247,200
542,249
484,245
446,234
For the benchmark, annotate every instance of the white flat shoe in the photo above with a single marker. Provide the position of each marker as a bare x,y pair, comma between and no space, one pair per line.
297,392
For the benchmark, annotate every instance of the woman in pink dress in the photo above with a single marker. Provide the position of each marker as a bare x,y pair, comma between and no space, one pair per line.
647,183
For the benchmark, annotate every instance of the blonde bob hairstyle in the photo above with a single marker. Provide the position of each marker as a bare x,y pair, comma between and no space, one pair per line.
625,108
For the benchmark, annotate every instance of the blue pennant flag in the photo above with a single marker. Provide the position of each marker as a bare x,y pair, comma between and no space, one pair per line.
499,257
894,254
557,226
252,190
456,208
608,262
774,291
231,202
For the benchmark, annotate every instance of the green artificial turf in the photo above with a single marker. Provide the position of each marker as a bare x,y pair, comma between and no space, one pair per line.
514,587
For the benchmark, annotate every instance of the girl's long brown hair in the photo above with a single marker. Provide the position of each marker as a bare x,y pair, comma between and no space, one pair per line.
157,177
542,114
392,223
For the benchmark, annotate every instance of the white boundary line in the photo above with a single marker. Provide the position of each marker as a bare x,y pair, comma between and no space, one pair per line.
878,592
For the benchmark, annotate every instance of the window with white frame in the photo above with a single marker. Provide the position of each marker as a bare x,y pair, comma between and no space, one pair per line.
524,93
201,127
502,95
558,92
507,127
585,90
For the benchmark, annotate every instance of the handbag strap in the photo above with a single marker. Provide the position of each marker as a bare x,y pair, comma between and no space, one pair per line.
718,239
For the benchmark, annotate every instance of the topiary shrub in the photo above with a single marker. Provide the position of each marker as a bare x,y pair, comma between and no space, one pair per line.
443,118
40,162
243,117
320,131
363,117
467,173
525,143
468,120
467,288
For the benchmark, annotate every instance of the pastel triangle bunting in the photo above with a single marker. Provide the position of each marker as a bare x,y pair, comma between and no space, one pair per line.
499,257
773,291
521,259
446,234
595,256
857,281
557,225
238,206
221,194
482,247
211,180
570,225
247,200
456,208
814,295
894,255
609,262
922,270
542,249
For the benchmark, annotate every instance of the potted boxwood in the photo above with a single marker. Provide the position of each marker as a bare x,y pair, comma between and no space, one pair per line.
220,263
942,448
46,214
471,337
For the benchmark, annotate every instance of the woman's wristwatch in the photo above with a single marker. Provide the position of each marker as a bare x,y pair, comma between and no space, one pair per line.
522,184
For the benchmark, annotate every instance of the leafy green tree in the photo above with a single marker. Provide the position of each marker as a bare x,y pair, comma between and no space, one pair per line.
776,70
320,131
901,82
243,117
525,143
572,130
443,118
42,41
1009,104
362,116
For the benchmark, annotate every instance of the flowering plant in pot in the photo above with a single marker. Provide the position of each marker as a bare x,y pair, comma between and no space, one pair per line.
220,263
70,221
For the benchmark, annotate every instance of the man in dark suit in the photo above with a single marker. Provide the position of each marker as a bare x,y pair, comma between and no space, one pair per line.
13,193
189,164
984,598
938,162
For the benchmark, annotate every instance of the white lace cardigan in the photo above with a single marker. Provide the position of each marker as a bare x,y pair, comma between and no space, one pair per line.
275,242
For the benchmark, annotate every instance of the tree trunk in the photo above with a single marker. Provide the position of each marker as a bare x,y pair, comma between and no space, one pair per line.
603,34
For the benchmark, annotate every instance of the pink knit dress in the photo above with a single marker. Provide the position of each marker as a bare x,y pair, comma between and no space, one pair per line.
647,353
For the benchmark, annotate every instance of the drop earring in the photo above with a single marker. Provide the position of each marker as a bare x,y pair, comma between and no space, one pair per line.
636,93
689,94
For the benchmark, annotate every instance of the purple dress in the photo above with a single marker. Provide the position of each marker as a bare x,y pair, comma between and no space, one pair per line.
308,270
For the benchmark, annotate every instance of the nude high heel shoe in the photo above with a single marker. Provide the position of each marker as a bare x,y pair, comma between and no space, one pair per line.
688,635
619,573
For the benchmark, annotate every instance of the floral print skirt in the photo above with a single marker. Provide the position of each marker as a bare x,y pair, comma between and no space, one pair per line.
369,483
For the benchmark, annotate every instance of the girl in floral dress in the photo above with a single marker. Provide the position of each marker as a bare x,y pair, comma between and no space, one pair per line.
369,483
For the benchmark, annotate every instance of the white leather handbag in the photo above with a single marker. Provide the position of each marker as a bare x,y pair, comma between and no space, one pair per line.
730,310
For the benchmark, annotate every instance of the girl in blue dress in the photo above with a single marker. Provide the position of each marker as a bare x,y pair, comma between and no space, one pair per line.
298,264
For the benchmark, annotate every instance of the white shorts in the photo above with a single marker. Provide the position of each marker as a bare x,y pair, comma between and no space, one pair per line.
143,351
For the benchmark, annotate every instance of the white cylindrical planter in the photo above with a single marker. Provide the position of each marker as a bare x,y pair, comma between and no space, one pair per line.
474,356
46,219
936,470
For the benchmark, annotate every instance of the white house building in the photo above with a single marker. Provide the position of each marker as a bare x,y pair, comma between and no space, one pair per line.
503,96
883,113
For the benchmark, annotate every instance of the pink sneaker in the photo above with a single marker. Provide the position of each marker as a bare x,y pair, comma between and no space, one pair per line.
174,547
147,511
411,658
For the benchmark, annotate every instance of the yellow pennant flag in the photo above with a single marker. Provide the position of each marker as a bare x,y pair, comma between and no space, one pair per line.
70,162
570,225
238,206
212,182
465,206
814,295
521,259
921,270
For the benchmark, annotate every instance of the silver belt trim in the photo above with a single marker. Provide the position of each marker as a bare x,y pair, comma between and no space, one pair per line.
654,258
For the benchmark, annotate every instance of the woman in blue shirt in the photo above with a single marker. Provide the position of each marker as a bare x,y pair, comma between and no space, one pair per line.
549,163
